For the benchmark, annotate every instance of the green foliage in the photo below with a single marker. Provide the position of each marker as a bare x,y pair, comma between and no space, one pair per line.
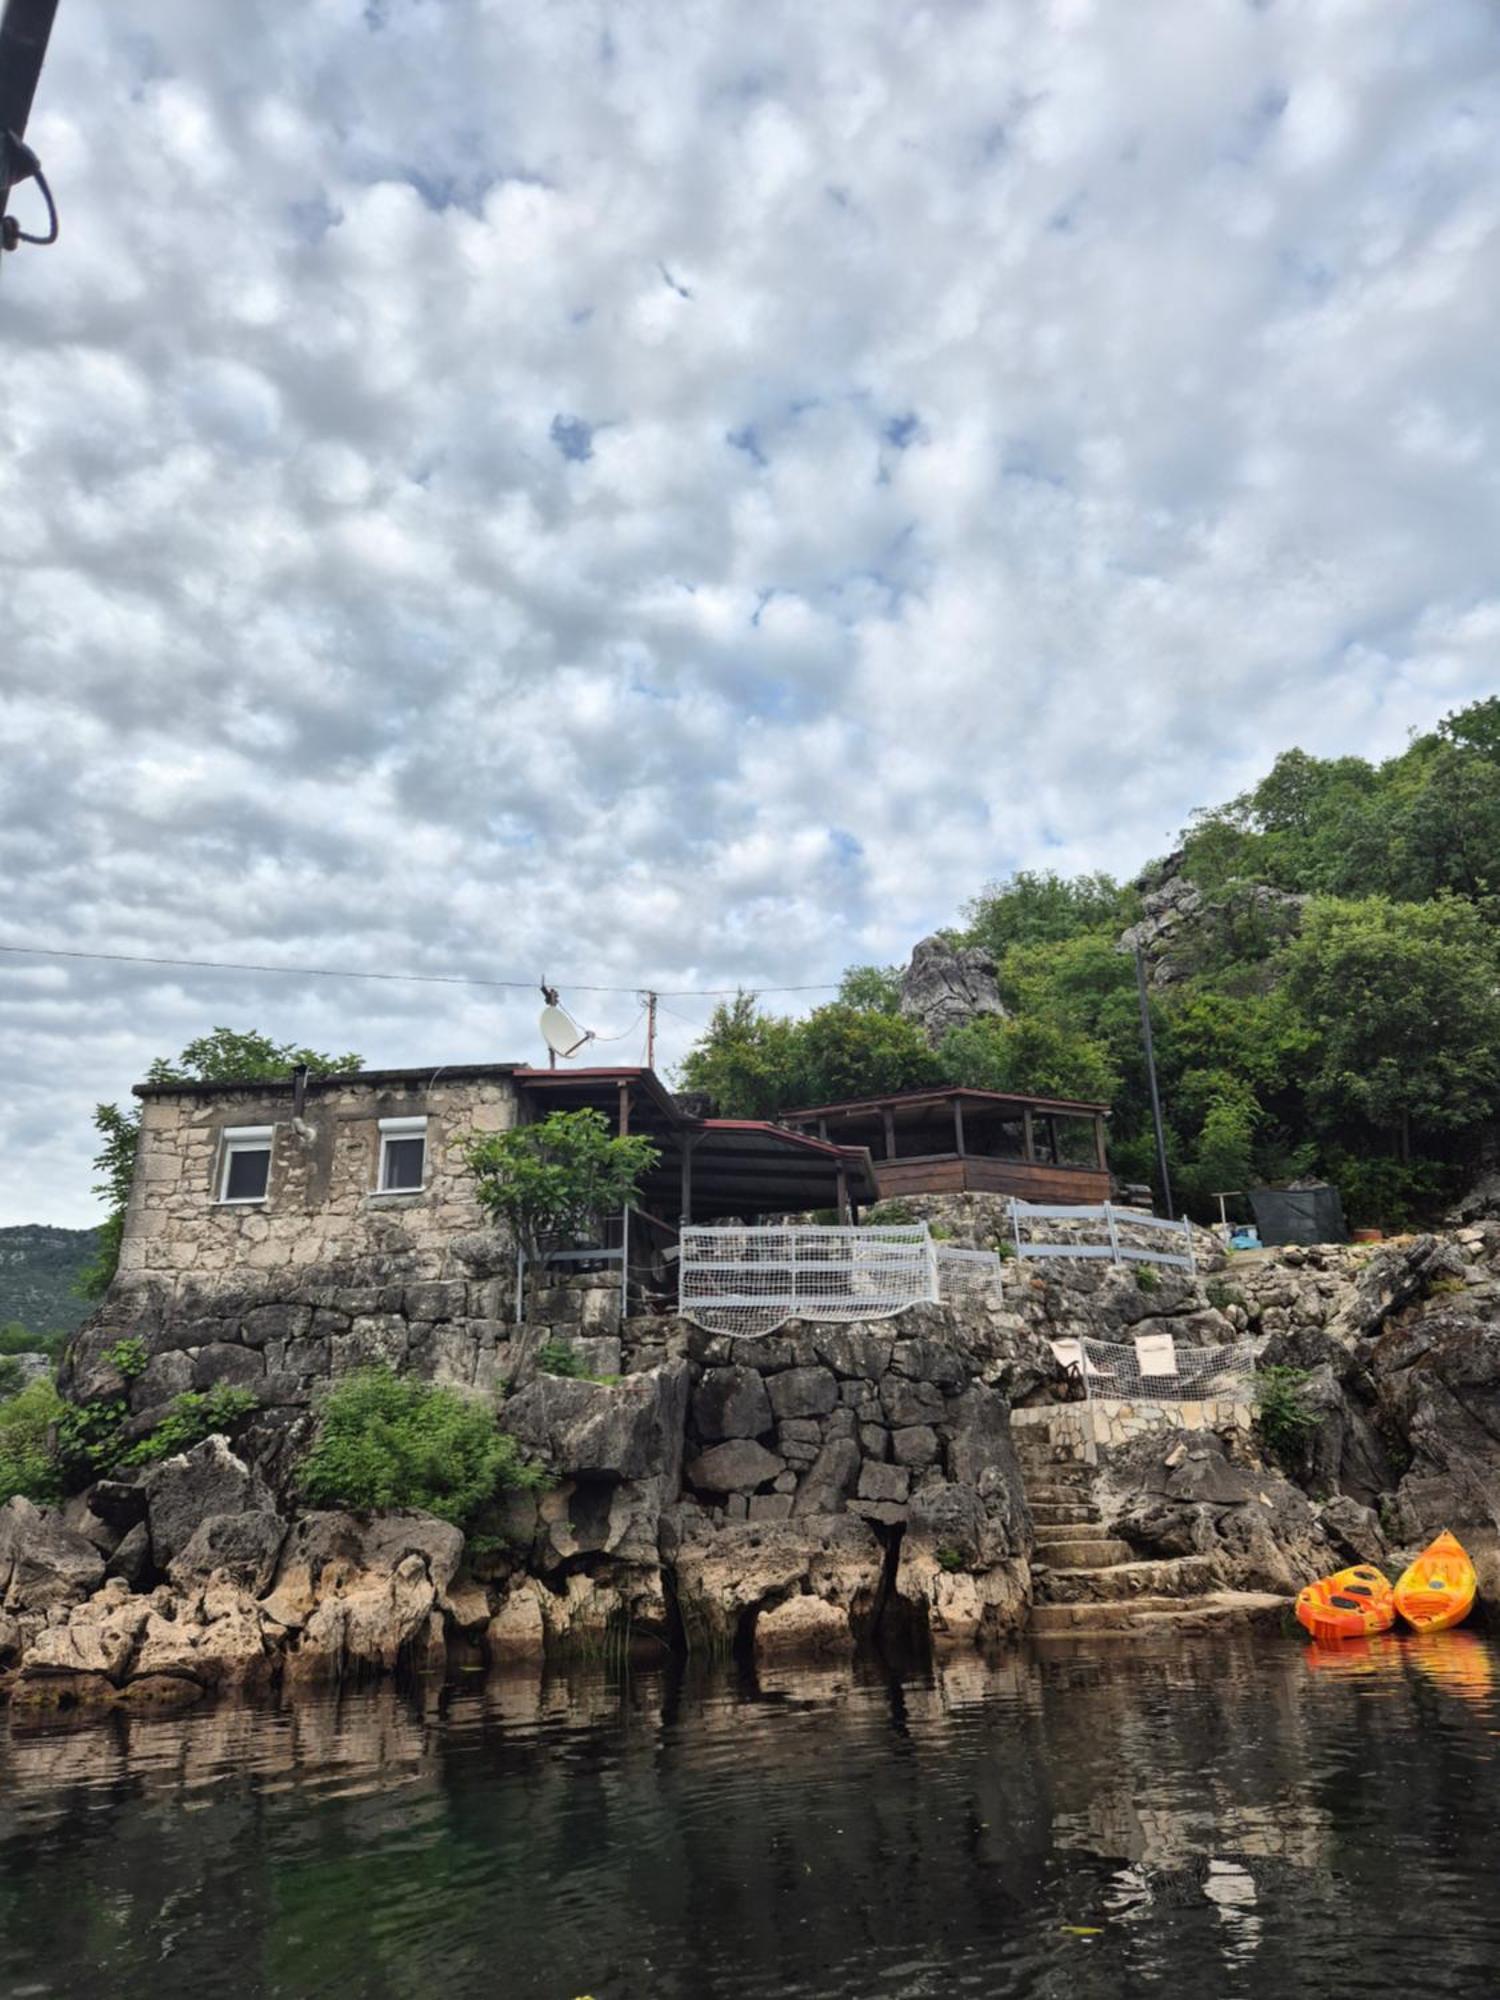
225,1055
1146,1278
1030,1055
949,1559
754,1065
127,1357
1031,908
10,1375
1222,1295
1283,1415
15,1339
191,1418
559,1176
389,1441
560,1357
876,989
28,1463
88,1438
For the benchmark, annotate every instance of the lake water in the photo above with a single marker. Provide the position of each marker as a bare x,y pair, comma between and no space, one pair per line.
1230,1815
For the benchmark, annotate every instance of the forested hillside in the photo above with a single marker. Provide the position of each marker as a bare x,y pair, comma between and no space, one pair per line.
1324,956
39,1272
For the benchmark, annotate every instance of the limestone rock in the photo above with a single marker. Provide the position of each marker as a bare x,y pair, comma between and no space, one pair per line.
217,1638
729,1578
183,1491
738,1465
947,985
43,1565
243,1547
100,1637
802,1628
632,1429
803,1392
731,1403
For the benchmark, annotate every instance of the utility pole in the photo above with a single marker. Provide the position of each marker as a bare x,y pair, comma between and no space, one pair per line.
25,28
1161,1142
650,1000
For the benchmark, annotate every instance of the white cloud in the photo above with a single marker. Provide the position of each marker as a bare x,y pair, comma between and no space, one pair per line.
687,494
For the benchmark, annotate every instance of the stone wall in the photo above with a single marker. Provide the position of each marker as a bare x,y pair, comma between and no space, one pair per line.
323,1207
1081,1430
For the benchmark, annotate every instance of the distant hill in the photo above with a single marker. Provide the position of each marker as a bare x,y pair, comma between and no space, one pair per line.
39,1268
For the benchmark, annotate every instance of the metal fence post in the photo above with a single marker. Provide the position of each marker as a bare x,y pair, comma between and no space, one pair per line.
1015,1227
624,1265
932,1266
1114,1239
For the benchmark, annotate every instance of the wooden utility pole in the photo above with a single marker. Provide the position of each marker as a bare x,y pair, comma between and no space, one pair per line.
650,1000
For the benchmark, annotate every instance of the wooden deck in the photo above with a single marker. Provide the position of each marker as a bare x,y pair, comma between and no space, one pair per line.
953,1173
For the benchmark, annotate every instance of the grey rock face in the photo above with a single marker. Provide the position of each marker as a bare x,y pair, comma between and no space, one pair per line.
632,1429
182,1492
244,1546
803,1392
43,1564
947,985
1178,924
738,1465
731,1403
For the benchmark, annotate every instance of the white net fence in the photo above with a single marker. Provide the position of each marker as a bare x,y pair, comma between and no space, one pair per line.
1153,1368
746,1281
966,1276
1101,1230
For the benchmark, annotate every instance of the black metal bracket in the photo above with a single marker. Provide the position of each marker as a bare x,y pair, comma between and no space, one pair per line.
19,163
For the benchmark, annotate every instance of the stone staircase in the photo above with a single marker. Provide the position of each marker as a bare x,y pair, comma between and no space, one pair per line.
1090,1585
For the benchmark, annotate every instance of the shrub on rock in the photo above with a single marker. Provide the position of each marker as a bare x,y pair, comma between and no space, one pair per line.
389,1441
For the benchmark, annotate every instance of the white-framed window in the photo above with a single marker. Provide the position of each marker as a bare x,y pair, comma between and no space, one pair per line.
403,1155
245,1162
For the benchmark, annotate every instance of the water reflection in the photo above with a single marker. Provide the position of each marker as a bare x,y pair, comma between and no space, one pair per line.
1217,1816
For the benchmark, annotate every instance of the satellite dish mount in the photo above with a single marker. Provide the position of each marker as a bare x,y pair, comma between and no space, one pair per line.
560,1031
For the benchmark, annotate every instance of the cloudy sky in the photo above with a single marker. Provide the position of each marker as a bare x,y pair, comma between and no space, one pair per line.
682,492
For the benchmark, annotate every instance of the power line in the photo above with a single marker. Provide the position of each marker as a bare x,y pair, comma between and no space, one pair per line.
409,978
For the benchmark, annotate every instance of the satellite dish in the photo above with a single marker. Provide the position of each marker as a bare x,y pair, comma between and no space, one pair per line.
561,1032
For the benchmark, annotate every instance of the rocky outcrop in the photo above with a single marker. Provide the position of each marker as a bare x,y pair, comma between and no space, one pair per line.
1180,929
947,985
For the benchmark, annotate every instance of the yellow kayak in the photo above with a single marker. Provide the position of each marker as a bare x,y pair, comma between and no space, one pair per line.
1350,1605
1438,1589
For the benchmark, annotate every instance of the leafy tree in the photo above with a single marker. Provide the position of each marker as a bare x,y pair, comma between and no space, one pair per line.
845,1052
557,1177
875,988
1403,1002
1029,1055
28,1464
223,1056
1044,908
746,1061
385,1440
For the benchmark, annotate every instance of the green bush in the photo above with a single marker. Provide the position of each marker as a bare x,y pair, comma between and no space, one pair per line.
1221,1295
560,1357
17,1339
390,1441
28,1464
192,1418
1284,1416
1146,1278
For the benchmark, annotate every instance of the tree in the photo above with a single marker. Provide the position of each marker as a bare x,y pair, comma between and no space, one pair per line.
746,1061
847,1052
1403,1004
222,1056
1029,1056
874,988
558,1177
1043,908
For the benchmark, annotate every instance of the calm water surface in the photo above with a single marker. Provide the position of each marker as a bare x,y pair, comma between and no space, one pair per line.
1226,1816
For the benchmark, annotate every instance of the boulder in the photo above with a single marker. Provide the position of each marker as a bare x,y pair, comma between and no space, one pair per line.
802,1628
219,1637
830,1479
131,1561
183,1491
739,1465
43,1565
731,1403
728,1579
242,1547
360,1595
803,1392
100,1637
946,985
631,1429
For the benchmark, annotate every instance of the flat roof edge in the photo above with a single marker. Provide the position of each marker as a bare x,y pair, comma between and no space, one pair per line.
428,1074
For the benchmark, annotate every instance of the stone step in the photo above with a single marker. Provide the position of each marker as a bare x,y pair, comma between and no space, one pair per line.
1099,1552
1172,1578
1044,1512
1058,1623
1039,1483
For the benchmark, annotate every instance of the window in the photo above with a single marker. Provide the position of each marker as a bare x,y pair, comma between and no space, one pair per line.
403,1155
245,1172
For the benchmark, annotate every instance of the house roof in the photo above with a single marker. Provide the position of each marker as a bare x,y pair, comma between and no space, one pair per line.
377,1079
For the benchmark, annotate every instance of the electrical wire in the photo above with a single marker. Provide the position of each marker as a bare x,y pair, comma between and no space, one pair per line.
409,978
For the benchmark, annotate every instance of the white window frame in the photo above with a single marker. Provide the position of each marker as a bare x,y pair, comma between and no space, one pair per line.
400,1128
244,1139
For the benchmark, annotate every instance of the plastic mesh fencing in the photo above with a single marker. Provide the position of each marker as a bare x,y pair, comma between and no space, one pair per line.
744,1281
1102,1230
967,1275
1153,1368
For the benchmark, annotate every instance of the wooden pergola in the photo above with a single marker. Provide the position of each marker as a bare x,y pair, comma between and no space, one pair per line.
948,1139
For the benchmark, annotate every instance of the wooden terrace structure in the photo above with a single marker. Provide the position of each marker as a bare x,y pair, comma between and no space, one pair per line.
949,1139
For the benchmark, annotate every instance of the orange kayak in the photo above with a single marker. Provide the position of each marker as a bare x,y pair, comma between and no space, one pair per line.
1349,1605
1438,1589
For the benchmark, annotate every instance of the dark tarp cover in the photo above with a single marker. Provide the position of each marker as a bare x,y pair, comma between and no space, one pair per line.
1299,1215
